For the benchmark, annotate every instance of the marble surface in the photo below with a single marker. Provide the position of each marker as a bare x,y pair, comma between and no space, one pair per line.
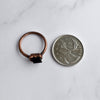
23,80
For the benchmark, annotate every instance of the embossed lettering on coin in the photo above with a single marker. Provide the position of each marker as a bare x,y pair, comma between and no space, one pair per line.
67,50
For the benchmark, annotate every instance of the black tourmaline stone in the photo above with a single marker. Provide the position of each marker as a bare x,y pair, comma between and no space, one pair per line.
36,60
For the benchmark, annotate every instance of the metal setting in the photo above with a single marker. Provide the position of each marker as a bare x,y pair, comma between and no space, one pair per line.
34,57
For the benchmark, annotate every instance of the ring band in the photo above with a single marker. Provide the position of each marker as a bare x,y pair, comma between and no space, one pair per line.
34,57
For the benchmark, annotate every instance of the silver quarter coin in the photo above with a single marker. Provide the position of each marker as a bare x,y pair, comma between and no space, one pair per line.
67,50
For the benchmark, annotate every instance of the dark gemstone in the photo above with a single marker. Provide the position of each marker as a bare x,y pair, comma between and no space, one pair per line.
36,60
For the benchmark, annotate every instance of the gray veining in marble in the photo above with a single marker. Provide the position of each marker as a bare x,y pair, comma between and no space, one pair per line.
20,79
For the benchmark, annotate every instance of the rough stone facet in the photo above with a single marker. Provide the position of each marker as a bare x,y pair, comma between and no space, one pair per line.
36,60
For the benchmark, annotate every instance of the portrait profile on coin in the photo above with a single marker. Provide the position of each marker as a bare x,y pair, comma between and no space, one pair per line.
67,50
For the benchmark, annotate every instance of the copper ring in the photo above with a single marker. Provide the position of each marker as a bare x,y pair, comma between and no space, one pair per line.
34,57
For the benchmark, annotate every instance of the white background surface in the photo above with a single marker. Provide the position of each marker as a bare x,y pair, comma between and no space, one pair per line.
21,79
